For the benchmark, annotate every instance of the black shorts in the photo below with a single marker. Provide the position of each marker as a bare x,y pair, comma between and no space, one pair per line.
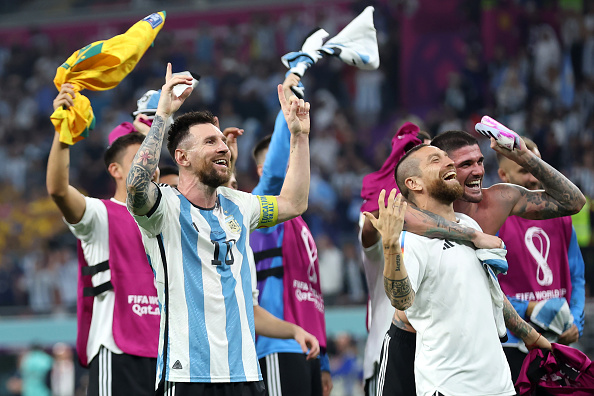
214,389
370,387
397,363
515,359
112,374
291,374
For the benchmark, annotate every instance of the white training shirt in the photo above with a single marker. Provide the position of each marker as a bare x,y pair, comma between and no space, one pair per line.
93,232
380,310
458,350
210,334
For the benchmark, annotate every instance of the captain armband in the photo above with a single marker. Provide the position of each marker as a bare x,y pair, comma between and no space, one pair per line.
268,211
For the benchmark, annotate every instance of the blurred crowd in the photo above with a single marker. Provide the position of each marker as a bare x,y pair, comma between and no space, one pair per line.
543,89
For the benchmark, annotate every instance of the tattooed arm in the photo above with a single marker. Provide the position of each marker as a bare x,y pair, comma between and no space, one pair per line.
560,196
521,329
142,194
430,225
389,224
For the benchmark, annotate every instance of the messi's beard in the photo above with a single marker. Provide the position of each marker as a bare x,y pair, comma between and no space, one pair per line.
445,192
212,178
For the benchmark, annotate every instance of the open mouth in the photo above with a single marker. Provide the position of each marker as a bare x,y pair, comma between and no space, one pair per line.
222,162
474,185
451,175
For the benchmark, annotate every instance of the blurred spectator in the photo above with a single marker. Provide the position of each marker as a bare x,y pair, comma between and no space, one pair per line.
331,269
62,374
34,374
356,292
347,371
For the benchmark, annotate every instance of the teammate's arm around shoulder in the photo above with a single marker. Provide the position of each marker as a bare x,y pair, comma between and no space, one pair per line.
389,224
142,193
292,200
69,200
431,225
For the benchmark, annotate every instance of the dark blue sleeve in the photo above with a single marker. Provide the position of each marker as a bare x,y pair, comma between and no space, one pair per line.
576,271
275,166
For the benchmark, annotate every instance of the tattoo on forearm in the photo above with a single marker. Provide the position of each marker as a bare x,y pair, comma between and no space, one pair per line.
436,226
398,262
144,165
399,292
514,322
561,197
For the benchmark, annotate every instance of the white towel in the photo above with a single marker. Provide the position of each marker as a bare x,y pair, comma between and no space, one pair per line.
494,263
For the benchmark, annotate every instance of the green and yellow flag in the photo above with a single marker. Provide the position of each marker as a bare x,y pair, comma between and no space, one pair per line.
100,66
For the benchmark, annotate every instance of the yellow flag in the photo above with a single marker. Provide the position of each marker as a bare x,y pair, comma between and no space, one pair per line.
100,66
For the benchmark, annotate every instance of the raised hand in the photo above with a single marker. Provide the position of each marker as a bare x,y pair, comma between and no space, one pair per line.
516,154
231,134
391,218
169,103
65,97
292,80
140,124
296,112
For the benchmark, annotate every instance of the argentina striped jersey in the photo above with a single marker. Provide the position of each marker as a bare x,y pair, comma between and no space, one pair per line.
206,283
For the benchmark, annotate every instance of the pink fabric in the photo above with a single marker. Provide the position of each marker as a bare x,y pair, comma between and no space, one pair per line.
565,371
136,316
304,304
373,183
136,313
84,310
123,129
533,245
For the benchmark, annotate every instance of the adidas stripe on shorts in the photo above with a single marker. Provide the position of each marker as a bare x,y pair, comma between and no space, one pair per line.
291,374
397,364
112,374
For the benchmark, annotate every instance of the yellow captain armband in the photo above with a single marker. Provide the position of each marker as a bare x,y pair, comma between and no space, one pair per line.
268,211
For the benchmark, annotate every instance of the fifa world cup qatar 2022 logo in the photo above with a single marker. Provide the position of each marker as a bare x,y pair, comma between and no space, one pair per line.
538,244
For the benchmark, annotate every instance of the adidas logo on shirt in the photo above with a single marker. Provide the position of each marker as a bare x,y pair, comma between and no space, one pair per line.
177,365
447,244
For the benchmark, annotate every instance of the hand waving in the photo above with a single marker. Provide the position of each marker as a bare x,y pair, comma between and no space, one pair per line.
391,218
65,97
169,103
296,112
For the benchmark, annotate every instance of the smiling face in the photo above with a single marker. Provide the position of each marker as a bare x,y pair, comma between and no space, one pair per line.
439,175
207,155
470,169
431,172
